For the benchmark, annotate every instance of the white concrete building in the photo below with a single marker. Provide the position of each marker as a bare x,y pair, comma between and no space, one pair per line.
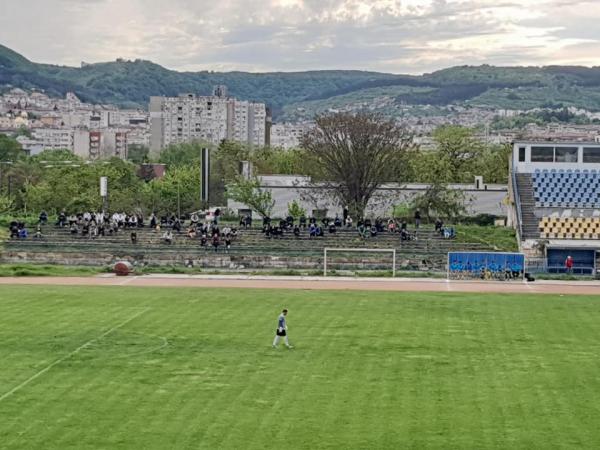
54,138
189,118
289,135
99,144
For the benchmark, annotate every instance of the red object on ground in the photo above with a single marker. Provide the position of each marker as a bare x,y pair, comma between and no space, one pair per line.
123,268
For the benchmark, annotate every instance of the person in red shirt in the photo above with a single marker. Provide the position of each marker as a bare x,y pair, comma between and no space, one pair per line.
569,264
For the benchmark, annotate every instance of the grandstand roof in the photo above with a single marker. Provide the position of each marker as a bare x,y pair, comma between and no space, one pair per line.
565,141
574,243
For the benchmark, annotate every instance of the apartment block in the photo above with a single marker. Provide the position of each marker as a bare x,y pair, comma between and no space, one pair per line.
99,144
289,135
189,118
54,138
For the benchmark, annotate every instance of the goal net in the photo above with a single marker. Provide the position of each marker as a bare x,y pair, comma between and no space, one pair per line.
359,259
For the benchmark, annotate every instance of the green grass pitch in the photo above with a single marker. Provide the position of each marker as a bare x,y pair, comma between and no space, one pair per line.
140,368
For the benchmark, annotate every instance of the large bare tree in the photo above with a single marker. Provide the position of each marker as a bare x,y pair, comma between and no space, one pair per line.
354,154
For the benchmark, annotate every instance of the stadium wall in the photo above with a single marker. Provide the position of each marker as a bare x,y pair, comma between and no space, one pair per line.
491,199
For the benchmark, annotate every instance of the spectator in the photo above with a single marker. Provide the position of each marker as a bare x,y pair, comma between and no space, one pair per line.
23,233
215,242
38,231
73,228
177,225
332,228
439,225
417,218
569,264
312,231
348,222
153,221
302,221
289,222
337,221
43,217
373,231
133,237
448,233
266,221
62,219
168,237
203,240
404,235
14,229
391,226
227,243
191,232
297,231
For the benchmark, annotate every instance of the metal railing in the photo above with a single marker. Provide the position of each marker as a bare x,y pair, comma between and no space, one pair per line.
517,198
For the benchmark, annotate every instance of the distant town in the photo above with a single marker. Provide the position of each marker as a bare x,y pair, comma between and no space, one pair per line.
94,131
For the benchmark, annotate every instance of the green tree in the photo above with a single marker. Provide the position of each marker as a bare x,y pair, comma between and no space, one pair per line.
177,192
138,154
10,149
492,164
249,192
178,155
295,210
439,201
354,154
457,150
6,204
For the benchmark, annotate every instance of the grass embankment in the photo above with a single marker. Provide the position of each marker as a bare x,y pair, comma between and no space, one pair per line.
38,270
133,368
501,239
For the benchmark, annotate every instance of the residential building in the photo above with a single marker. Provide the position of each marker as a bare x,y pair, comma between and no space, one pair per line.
289,135
54,138
188,118
97,144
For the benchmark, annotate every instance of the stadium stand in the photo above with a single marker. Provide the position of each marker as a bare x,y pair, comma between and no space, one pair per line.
567,188
556,192
250,249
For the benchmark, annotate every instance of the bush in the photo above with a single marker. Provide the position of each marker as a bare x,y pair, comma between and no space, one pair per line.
483,220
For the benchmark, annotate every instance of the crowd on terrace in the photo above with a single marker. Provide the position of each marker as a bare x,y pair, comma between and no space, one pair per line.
170,228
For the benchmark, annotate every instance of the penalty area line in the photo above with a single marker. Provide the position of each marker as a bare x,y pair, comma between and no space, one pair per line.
73,353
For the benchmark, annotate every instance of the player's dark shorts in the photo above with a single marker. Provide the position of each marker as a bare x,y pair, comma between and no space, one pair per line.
280,333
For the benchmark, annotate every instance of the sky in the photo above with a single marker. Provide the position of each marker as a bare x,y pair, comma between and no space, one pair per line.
396,36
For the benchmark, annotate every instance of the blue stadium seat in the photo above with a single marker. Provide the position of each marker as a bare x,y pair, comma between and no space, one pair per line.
566,188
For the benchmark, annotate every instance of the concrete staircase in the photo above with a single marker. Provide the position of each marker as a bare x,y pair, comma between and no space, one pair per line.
530,223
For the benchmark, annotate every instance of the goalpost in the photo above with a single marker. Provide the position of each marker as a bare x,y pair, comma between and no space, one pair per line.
359,250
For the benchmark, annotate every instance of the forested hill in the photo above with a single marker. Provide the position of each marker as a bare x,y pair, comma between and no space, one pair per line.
131,83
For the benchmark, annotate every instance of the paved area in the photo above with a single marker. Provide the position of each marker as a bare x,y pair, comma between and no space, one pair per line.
316,283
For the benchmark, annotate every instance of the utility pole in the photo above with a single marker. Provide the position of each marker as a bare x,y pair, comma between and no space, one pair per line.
178,202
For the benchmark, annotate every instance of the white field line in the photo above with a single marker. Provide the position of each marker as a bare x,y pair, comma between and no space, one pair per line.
74,352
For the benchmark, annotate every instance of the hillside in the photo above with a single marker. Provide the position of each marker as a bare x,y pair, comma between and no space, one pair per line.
131,83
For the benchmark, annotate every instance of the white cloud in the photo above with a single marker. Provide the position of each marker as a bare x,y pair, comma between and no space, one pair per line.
401,36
